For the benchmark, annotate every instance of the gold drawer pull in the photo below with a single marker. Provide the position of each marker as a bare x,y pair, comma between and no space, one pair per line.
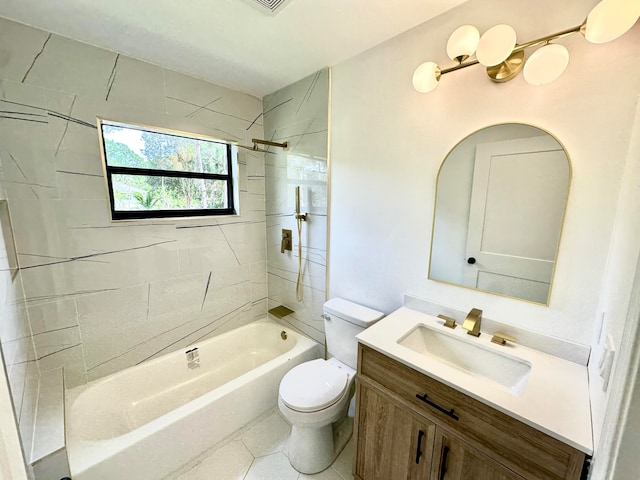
449,413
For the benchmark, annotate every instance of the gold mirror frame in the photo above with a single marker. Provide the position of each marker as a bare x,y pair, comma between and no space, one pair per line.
493,133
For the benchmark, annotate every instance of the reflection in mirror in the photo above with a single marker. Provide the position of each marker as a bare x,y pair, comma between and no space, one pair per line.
500,200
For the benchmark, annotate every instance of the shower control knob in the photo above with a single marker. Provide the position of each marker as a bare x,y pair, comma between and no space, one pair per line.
471,260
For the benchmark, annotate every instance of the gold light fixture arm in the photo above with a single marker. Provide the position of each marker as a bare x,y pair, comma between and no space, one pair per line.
508,64
548,38
459,67
497,49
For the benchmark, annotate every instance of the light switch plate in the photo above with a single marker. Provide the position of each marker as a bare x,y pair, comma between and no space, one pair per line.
607,364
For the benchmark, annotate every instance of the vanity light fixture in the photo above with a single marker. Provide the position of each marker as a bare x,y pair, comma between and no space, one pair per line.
503,58
463,43
496,45
546,64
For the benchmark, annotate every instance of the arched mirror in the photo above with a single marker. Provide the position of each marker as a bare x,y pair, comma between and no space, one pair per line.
500,200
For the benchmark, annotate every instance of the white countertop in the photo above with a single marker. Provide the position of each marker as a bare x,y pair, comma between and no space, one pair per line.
555,397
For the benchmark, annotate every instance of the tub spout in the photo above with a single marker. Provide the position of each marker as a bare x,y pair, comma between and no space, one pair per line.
193,358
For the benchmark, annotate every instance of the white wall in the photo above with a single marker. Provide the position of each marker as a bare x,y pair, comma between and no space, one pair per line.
388,142
620,306
628,463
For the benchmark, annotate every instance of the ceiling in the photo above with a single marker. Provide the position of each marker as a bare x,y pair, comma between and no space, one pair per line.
230,42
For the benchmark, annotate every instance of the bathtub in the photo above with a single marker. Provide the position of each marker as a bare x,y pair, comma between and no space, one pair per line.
147,421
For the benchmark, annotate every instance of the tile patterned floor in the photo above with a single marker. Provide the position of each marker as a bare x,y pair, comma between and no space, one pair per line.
258,452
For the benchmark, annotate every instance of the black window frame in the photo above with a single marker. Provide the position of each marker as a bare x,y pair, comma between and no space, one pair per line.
109,171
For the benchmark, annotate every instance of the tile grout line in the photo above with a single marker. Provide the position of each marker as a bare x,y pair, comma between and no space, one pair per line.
250,465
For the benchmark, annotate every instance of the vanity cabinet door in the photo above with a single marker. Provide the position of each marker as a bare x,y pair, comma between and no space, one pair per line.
521,448
392,442
455,459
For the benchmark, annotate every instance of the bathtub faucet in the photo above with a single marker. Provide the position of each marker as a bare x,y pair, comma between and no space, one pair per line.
193,358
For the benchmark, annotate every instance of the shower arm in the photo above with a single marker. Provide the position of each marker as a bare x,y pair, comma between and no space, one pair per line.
257,141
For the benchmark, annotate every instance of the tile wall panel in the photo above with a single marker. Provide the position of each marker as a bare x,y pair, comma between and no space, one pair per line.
298,114
94,296
16,342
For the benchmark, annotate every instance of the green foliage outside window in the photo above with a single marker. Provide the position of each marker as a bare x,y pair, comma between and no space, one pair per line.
136,148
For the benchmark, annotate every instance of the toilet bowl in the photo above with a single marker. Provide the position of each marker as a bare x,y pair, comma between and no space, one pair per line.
315,396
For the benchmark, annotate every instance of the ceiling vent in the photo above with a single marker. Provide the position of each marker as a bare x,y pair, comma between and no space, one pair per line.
270,7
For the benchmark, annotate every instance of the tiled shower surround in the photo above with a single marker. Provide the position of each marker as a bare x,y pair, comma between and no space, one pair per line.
94,296
298,114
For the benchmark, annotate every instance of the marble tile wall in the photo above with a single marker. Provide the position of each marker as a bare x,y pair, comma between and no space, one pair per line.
94,296
298,114
16,342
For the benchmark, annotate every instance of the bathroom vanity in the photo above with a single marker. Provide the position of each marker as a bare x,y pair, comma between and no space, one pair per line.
499,412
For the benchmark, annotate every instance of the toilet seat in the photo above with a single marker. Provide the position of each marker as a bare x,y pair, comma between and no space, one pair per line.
313,386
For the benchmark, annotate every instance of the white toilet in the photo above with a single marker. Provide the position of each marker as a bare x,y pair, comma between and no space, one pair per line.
315,396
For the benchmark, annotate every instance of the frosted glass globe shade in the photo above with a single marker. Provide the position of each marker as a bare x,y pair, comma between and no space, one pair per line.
426,77
611,19
546,64
463,42
496,44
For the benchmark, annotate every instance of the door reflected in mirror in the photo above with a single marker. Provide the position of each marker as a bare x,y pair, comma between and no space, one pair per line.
500,200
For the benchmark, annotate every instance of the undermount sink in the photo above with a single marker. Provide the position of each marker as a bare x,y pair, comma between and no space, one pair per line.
462,354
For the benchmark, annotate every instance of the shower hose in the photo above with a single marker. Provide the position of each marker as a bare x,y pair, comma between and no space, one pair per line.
299,284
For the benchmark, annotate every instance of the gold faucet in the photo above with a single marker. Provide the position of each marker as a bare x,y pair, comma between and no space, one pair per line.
448,321
472,322
501,338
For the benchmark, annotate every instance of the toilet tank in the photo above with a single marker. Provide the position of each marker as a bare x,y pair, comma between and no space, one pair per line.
343,320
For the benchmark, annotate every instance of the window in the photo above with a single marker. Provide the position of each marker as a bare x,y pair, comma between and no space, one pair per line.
154,173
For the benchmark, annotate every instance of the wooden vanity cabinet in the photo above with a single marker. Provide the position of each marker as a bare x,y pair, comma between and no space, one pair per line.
457,460
394,441
462,439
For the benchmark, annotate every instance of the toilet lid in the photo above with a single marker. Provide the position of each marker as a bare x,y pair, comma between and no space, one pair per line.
312,386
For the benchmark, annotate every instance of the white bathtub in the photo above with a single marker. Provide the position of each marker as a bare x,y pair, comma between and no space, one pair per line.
147,421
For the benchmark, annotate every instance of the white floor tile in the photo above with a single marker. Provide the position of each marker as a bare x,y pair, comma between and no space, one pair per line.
231,462
272,467
267,437
258,452
328,474
344,463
